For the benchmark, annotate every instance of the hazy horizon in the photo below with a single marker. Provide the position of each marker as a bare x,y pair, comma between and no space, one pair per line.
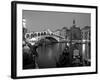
42,20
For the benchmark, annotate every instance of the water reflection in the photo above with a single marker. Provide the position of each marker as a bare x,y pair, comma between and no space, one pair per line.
55,55
49,54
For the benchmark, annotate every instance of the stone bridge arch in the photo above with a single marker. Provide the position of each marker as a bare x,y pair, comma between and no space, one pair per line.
53,38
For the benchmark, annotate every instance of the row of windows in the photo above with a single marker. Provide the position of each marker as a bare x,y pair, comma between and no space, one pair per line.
86,35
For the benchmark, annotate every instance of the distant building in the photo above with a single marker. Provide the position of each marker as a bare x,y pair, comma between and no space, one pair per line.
63,32
86,33
75,32
68,34
57,32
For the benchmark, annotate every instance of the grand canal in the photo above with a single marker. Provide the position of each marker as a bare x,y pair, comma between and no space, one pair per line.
49,54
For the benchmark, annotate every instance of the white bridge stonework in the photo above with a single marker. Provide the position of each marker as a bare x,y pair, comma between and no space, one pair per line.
36,36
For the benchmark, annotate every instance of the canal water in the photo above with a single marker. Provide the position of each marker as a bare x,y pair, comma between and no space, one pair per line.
49,54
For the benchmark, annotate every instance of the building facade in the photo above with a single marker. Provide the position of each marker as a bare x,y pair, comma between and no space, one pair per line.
75,35
86,37
63,32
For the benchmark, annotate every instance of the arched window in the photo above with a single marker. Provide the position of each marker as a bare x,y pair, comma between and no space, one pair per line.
38,34
32,35
35,34
27,35
44,33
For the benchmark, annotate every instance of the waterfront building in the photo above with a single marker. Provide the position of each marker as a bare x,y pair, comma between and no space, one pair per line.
63,32
86,36
86,33
75,35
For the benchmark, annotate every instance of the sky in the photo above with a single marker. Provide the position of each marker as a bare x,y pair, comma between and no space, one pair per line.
43,20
